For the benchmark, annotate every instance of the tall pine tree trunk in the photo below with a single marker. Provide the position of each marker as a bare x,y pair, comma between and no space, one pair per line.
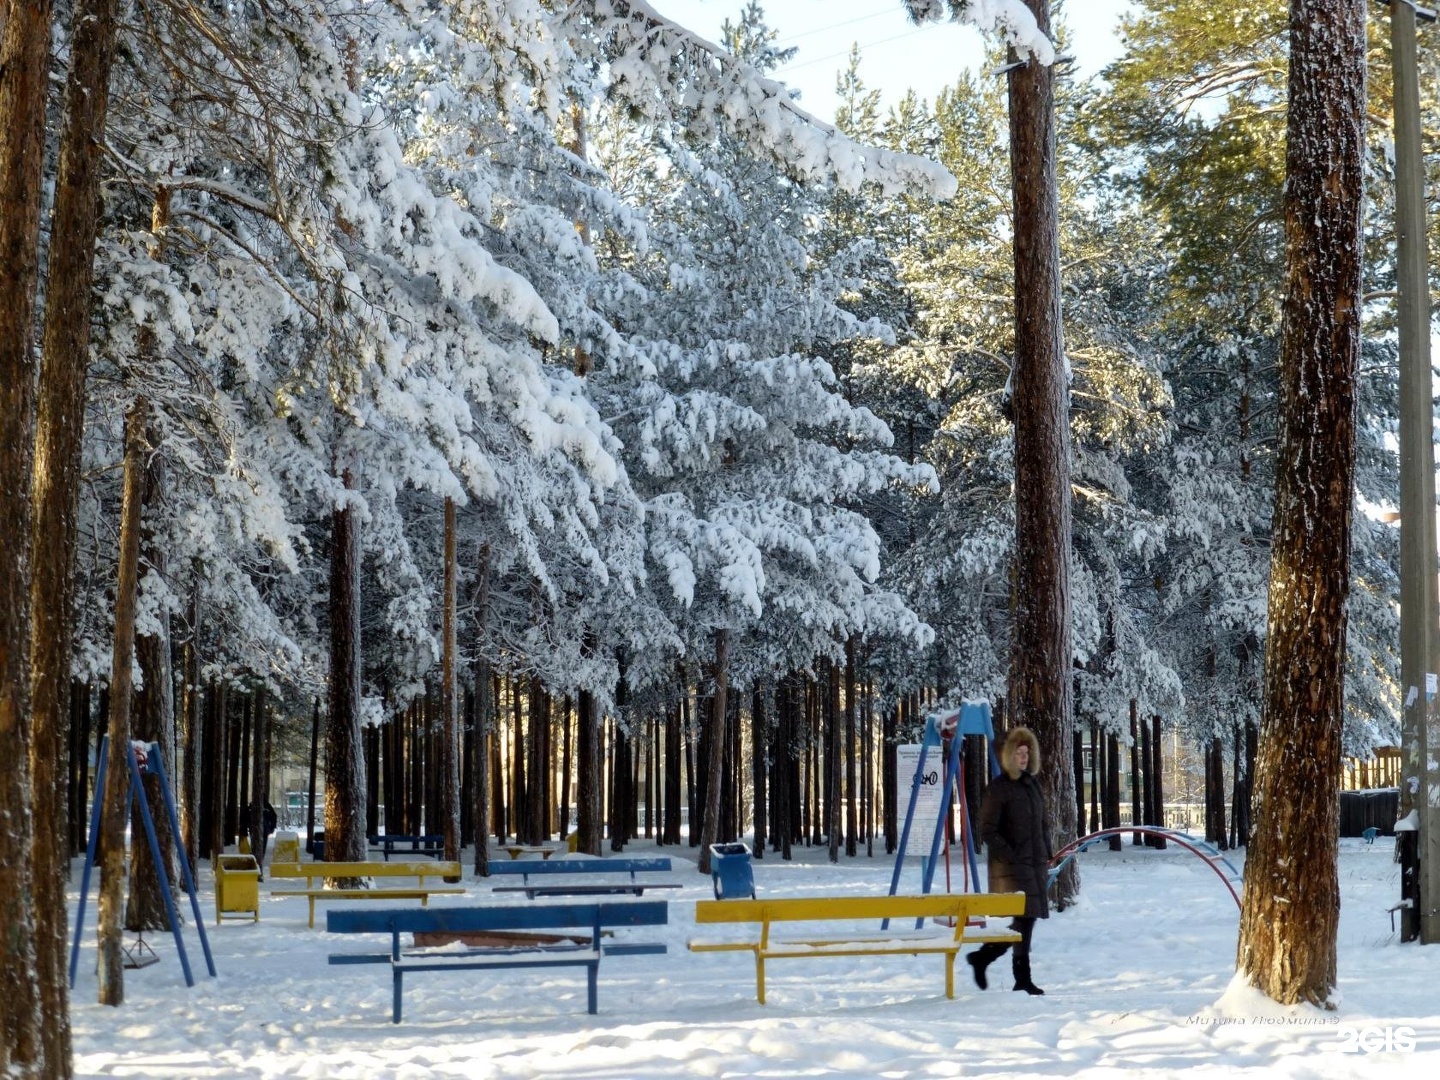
115,806
1291,907
259,765
344,763
674,773
622,809
191,739
484,718
852,799
154,717
449,695
24,71
59,422
759,770
715,762
1039,686
834,820
589,772
65,355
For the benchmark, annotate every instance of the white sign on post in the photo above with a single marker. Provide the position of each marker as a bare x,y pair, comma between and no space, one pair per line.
930,801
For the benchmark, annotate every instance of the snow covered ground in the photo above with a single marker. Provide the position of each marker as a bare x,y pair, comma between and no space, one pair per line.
1137,979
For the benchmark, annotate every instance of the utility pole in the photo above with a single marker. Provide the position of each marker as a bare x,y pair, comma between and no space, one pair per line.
1420,783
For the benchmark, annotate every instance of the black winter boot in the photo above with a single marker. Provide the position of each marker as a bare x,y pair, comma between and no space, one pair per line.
982,958
1020,965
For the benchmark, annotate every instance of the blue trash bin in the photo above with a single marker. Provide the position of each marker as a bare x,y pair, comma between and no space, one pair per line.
730,871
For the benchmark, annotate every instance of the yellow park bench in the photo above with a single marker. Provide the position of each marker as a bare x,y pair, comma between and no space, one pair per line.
419,871
959,908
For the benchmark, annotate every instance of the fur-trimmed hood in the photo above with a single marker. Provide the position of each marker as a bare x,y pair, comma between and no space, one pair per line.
1016,737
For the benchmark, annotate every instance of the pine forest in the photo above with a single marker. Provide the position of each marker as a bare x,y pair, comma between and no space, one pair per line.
525,421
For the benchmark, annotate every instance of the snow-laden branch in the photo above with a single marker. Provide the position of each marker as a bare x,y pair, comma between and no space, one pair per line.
1009,20
674,76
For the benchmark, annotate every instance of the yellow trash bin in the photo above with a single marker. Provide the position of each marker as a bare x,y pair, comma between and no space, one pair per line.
237,887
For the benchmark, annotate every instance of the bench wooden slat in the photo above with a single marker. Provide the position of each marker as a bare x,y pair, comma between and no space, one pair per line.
421,893
842,948
594,917
829,908
617,889
525,867
550,957
634,885
508,917
985,934
311,870
609,948
958,907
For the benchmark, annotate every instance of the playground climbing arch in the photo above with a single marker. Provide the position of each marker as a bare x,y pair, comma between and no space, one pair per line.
1202,849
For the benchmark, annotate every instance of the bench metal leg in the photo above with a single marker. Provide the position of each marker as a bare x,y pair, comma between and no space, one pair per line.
395,1005
312,911
759,977
950,974
592,990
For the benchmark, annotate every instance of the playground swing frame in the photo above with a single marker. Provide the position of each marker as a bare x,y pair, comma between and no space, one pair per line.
972,718
135,800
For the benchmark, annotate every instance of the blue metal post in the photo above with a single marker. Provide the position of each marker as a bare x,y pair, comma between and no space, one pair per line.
90,848
930,738
154,764
137,795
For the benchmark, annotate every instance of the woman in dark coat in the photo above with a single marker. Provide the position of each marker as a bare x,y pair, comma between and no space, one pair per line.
1012,824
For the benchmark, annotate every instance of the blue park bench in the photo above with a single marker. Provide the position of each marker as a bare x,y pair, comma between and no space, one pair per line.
499,923
432,844
552,869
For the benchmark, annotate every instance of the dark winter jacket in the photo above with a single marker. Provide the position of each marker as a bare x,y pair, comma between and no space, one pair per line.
1012,824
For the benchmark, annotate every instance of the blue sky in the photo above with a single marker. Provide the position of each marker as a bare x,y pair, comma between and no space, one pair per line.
895,55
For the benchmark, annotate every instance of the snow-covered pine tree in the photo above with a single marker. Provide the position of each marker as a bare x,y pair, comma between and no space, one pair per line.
737,433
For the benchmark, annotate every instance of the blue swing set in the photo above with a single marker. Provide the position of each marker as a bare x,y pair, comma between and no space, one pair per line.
972,718
149,760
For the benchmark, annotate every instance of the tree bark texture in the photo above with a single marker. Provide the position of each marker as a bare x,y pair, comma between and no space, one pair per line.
191,739
1039,685
344,761
154,718
1157,780
259,775
834,820
1137,774
56,488
759,766
484,724
622,807
449,694
115,806
589,775
674,774
216,739
24,70
1291,903
715,760
852,790
1112,791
